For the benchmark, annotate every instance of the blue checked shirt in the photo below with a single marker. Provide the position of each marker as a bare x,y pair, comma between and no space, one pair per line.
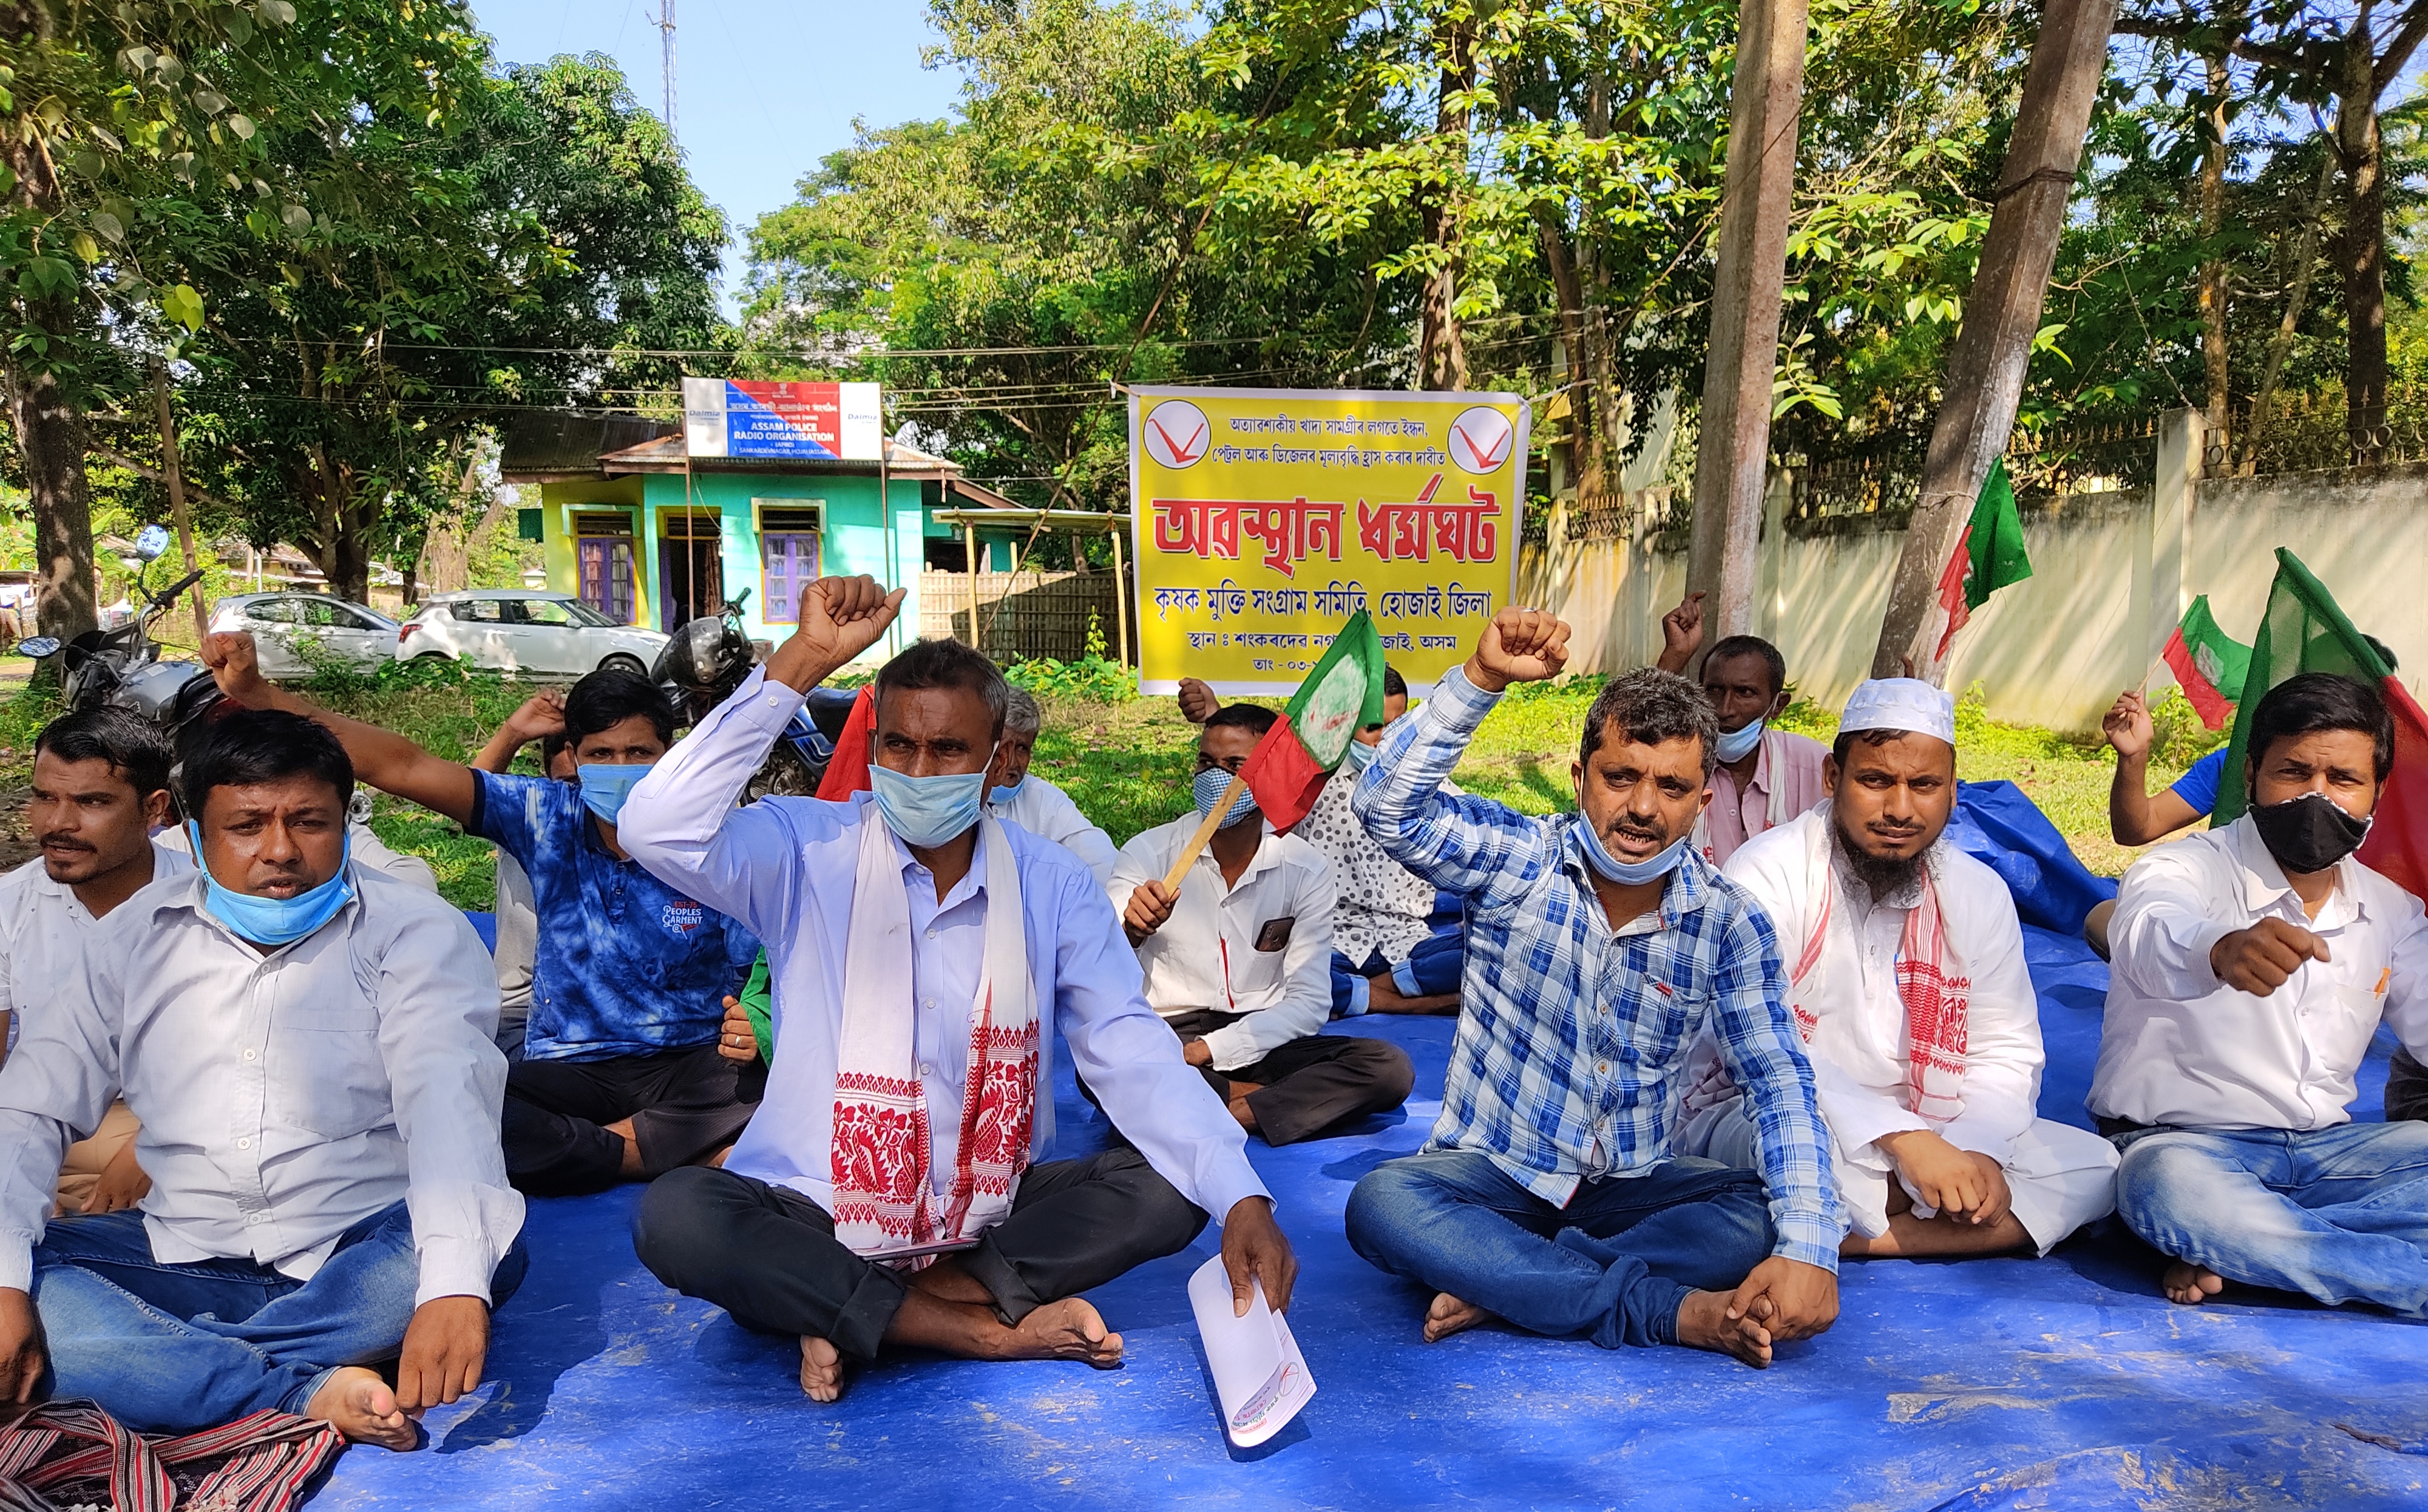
1572,1039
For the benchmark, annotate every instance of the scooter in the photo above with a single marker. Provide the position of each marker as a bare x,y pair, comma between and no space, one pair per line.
707,658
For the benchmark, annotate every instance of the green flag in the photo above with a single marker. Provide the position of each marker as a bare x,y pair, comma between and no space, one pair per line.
2304,630
1989,556
1344,692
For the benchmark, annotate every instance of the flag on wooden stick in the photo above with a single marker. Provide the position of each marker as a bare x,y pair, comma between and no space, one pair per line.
2305,631
1989,555
2208,664
1288,769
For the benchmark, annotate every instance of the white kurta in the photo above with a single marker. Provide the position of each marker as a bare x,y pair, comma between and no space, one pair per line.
1854,1025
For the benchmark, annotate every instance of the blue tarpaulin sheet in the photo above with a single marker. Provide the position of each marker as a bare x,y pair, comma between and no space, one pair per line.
2060,1383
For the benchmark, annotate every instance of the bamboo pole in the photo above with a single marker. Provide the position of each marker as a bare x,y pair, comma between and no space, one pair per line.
173,473
1206,829
970,538
1121,605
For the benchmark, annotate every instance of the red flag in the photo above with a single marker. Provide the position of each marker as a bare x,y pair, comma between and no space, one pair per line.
847,768
1951,589
2397,847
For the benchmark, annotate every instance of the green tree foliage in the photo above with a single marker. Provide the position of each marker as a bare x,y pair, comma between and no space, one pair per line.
533,243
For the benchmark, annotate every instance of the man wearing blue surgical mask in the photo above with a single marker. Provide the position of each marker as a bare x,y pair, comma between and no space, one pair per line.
1018,796
620,1078
305,1043
1763,775
922,953
1239,960
1600,945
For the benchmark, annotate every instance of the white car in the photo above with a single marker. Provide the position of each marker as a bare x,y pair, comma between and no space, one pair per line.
296,634
515,629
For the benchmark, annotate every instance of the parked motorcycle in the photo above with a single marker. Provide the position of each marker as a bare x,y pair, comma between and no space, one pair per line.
123,667
707,658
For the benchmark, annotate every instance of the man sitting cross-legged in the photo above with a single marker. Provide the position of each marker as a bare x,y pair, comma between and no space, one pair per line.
1907,984
917,947
1550,1192
100,788
1239,961
1028,800
619,1077
2253,966
306,1043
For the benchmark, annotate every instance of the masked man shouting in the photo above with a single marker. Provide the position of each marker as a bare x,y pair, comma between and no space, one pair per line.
892,1187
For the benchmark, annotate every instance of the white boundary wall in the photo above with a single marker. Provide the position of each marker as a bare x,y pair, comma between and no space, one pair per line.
2111,574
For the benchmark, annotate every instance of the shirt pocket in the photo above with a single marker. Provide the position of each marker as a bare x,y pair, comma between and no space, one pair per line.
2341,1039
325,1071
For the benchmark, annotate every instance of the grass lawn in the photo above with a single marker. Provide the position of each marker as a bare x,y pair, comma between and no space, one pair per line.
1127,764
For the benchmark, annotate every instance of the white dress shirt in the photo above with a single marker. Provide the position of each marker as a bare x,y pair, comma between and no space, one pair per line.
2179,1048
1261,946
1045,811
42,931
1859,1044
788,868
284,1097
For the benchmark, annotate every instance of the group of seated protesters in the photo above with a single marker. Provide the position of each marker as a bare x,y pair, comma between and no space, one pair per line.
265,1141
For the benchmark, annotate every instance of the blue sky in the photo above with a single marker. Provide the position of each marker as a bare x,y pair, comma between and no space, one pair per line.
765,88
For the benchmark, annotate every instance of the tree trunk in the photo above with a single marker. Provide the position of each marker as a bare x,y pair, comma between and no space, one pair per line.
2213,216
48,422
50,446
1985,370
2362,257
1731,459
1442,352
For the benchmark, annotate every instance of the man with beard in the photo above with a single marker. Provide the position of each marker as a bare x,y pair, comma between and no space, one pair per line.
1551,1192
100,788
2254,964
1906,978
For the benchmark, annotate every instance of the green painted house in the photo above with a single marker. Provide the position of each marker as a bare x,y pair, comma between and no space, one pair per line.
634,525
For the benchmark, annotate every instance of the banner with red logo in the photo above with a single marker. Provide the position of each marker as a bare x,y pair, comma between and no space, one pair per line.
1265,519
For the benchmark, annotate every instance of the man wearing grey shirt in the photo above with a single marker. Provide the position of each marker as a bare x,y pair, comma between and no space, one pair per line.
306,1043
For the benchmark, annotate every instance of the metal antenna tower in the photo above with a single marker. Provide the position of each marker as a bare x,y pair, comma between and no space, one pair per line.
666,24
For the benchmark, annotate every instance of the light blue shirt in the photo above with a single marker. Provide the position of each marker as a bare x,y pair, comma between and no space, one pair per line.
787,869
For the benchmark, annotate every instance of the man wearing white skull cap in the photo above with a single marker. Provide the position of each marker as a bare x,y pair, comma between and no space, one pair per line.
1906,978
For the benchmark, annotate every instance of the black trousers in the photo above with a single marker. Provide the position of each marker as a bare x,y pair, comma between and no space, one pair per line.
1310,1085
769,1255
682,1103
2407,1087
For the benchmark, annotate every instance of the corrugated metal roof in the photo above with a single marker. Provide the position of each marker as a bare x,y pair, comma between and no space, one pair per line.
533,447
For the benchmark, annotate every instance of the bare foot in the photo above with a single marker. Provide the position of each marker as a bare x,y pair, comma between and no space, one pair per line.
1068,1329
821,1370
2191,1284
1703,1323
1449,1315
359,1404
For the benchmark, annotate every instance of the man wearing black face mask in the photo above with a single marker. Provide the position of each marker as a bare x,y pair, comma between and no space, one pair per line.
2253,965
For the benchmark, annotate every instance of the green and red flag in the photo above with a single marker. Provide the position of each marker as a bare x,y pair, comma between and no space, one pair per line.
1287,768
2208,664
2305,631
1989,555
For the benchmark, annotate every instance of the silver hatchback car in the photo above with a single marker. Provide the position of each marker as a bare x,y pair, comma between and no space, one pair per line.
516,630
296,634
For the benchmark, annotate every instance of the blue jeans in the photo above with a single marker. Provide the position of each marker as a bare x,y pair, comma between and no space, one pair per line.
2340,1214
1432,968
170,1348
1613,1265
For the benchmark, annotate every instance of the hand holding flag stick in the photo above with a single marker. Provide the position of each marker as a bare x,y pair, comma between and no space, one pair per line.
1288,769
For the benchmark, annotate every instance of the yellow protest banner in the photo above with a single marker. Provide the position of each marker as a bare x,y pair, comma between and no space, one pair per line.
1264,517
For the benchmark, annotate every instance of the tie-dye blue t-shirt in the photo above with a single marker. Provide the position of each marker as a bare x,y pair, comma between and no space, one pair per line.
625,965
